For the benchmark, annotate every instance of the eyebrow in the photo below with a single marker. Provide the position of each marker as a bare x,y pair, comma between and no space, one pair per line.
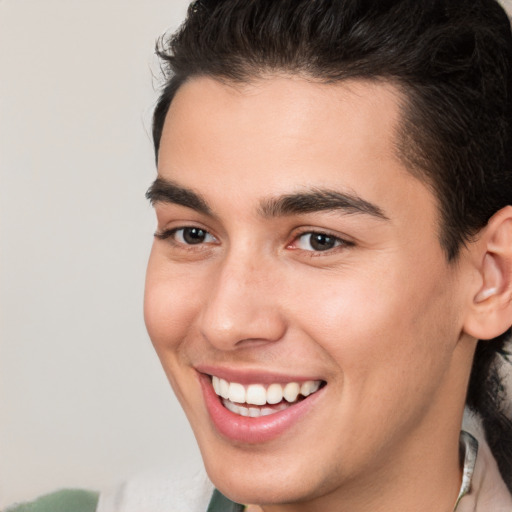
319,200
310,201
165,191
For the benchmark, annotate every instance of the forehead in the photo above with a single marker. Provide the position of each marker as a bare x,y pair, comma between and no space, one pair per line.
281,111
263,138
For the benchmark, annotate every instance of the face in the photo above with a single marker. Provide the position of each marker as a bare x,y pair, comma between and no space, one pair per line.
297,271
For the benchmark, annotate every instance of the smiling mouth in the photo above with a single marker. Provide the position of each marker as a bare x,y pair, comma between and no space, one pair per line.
255,400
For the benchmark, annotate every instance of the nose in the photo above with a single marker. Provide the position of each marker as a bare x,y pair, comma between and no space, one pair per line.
242,308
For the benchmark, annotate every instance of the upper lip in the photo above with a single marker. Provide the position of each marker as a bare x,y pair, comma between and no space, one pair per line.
252,375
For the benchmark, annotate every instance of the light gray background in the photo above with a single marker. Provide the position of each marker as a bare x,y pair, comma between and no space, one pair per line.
83,400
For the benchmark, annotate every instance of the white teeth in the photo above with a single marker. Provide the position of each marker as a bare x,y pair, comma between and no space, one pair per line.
291,391
309,387
254,412
256,395
236,393
230,406
216,385
223,388
274,393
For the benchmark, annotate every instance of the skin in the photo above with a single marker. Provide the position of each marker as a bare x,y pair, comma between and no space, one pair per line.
379,317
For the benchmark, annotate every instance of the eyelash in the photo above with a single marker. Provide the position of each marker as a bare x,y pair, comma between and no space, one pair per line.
170,235
338,243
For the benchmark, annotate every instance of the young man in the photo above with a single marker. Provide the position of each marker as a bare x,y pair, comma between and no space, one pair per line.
332,266
333,239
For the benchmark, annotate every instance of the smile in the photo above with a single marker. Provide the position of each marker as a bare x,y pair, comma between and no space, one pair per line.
261,409
268,399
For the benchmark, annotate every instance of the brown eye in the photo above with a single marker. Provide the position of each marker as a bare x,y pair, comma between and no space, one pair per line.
192,236
189,235
322,242
318,242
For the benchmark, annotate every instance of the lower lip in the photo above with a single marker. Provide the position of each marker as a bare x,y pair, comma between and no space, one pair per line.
253,430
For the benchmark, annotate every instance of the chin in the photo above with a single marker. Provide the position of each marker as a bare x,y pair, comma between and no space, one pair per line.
253,478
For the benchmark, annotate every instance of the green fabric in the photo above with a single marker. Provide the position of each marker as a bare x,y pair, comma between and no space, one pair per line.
219,503
61,501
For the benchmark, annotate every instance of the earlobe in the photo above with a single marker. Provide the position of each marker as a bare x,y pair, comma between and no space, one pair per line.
491,310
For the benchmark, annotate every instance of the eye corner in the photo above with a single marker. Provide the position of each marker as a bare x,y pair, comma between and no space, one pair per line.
163,235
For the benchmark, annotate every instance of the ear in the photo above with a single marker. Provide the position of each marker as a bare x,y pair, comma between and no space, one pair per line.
490,313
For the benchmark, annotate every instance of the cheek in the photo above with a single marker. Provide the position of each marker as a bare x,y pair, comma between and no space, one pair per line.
382,326
170,304
391,355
